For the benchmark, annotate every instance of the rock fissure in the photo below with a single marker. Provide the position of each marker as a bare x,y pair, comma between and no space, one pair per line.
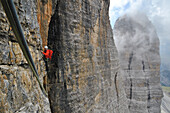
117,93
130,61
143,66
149,97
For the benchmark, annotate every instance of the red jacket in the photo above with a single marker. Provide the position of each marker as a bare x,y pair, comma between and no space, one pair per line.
47,54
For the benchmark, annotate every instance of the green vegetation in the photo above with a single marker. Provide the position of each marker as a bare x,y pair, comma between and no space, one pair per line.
166,89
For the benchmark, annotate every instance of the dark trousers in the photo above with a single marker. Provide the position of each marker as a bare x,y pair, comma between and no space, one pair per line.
45,77
46,64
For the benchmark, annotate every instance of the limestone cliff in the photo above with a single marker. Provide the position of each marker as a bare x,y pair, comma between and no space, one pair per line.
138,47
19,90
45,9
165,100
84,72
165,103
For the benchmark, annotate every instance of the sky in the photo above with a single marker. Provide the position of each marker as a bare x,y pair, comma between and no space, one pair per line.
158,12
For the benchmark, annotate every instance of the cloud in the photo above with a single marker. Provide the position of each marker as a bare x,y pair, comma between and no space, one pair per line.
160,17
158,12
117,8
118,3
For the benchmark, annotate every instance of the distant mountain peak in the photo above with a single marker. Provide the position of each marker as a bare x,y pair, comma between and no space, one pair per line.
138,49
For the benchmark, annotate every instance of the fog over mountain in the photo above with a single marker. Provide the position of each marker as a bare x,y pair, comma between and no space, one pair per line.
158,12
138,48
136,33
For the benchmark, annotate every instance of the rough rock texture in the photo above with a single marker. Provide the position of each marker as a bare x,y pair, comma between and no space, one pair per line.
138,48
165,103
45,9
19,90
84,72
43,16
165,100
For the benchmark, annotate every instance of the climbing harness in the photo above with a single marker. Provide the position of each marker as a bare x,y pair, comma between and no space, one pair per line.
10,11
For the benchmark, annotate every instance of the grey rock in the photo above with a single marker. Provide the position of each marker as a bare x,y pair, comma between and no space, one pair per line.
165,104
84,73
84,52
19,90
138,48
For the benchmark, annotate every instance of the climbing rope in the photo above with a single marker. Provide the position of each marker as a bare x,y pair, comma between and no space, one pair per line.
10,11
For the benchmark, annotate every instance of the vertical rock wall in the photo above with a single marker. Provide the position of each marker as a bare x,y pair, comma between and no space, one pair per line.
19,90
138,47
45,8
43,16
84,71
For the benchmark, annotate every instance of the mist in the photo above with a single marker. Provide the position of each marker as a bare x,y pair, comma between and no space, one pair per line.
157,11
136,34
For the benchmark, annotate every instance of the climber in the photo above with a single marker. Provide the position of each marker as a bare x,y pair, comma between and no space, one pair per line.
47,55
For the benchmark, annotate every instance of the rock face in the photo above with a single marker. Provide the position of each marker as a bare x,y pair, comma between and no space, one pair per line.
84,71
165,100
45,8
19,90
165,104
138,48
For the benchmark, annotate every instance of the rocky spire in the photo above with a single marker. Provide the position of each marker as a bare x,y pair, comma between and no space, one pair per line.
138,48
